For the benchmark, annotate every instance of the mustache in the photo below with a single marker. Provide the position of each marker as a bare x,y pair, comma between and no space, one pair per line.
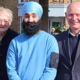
30,23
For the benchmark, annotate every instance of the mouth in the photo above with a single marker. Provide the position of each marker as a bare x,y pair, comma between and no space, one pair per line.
2,27
31,23
74,23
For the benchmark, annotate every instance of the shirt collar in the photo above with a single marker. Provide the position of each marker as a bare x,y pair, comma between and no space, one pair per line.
69,32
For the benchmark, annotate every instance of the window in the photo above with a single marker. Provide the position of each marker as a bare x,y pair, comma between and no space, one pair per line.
54,0
22,1
56,25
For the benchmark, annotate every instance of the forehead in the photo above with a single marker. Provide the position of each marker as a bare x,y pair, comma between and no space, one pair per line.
31,14
3,15
74,8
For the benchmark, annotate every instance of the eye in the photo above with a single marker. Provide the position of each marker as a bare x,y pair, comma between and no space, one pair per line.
78,15
70,14
34,15
5,21
26,16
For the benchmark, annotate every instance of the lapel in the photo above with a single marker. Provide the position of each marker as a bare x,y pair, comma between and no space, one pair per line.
77,52
66,47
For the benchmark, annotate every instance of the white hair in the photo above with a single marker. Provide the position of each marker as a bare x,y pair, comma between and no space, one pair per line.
10,13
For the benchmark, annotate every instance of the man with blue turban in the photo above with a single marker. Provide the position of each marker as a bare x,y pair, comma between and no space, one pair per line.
33,55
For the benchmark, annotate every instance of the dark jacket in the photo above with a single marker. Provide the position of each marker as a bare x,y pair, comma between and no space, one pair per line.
65,69
10,34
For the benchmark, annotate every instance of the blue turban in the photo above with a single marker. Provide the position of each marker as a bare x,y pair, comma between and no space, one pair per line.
32,6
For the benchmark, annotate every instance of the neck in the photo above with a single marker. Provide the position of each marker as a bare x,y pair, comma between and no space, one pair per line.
38,31
75,32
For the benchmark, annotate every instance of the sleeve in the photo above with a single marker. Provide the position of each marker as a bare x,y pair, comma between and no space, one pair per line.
11,62
51,61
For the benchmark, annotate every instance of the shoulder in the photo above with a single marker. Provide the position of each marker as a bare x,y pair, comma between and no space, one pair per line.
20,37
47,35
12,32
62,35
50,40
17,40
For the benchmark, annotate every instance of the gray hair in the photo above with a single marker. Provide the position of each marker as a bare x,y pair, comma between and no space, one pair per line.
10,13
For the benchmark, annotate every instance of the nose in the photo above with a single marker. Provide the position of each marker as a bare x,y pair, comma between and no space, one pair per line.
30,19
2,23
74,17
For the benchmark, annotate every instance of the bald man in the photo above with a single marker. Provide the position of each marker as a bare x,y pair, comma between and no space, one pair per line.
33,55
69,46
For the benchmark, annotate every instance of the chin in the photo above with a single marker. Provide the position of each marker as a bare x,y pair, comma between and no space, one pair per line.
3,30
75,25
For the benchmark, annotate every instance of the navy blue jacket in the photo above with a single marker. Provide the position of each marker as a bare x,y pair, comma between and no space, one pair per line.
65,69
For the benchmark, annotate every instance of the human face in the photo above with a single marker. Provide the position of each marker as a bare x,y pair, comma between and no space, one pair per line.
31,17
73,16
53,29
4,21
31,24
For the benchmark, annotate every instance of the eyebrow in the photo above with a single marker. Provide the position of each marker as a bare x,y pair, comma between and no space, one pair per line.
26,14
32,13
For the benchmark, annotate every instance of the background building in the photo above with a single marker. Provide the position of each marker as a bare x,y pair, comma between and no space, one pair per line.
53,13
16,7
44,4
56,13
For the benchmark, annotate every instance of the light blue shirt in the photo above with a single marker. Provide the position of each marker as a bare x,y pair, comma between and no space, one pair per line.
28,58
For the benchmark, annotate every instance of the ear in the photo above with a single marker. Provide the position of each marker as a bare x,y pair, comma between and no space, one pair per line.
66,15
10,23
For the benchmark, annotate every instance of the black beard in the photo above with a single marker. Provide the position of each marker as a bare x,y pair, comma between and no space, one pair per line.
31,30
